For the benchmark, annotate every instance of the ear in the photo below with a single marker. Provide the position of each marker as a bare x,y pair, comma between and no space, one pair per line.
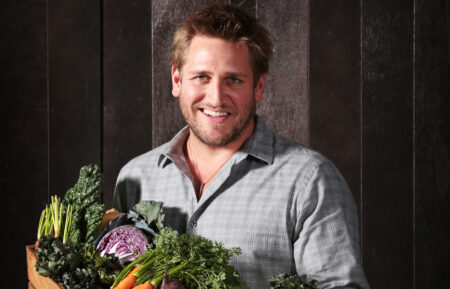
259,89
176,81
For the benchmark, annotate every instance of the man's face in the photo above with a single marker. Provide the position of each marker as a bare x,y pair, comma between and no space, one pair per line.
216,91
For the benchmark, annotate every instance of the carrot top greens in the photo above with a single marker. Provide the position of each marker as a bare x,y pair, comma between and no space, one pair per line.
193,260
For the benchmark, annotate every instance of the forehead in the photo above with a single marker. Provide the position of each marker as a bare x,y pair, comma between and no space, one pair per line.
207,51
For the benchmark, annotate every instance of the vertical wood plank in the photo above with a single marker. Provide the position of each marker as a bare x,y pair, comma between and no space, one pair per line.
432,144
127,99
167,16
334,83
24,145
285,102
387,142
74,89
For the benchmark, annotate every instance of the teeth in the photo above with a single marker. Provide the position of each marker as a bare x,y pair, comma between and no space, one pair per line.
214,113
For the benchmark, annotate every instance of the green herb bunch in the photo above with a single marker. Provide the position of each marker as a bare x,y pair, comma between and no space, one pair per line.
285,281
75,266
193,260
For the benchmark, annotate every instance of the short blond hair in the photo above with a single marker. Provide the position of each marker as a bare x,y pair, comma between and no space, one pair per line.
228,22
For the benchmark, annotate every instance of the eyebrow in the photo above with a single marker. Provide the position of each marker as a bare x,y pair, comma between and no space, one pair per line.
228,74
198,72
240,75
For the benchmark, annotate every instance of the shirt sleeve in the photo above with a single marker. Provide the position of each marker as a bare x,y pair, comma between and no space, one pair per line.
327,245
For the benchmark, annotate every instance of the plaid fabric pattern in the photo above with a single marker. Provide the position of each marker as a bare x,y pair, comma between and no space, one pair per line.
286,206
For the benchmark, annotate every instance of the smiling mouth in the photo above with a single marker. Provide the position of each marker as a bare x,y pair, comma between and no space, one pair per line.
214,113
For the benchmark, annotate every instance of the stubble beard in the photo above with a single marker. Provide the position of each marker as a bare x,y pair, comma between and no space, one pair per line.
227,136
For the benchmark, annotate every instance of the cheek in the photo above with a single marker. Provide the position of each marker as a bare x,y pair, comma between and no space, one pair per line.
188,99
191,93
244,100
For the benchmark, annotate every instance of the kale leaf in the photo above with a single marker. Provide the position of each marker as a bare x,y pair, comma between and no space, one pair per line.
75,265
86,196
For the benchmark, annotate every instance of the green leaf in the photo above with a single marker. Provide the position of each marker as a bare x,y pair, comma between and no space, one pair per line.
148,211
85,196
193,260
93,217
75,265
285,281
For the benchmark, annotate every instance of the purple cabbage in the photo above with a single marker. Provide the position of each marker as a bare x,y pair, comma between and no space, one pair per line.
125,242
128,235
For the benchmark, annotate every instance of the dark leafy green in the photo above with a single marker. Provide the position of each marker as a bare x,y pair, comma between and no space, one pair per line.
93,219
285,281
86,197
75,266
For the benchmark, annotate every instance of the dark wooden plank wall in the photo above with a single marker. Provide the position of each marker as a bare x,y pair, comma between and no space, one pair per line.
127,78
285,103
431,144
74,83
24,140
334,86
365,83
387,142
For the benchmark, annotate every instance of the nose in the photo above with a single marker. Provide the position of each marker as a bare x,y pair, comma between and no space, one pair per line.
216,93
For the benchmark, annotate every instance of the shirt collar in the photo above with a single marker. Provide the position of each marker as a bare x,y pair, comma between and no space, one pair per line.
258,145
174,148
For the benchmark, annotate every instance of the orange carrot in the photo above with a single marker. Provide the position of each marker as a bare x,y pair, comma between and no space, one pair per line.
135,269
127,282
145,285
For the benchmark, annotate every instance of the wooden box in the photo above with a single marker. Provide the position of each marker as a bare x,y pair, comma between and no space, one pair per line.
37,281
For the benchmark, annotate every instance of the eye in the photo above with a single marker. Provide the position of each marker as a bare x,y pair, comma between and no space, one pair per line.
234,80
201,77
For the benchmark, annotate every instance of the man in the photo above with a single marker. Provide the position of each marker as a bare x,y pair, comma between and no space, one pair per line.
227,177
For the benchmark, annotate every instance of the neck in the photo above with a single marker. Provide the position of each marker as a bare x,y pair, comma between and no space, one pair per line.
205,161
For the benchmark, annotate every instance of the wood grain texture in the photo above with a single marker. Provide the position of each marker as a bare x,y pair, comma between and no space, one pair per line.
334,84
387,142
166,17
127,90
432,144
24,142
285,102
74,90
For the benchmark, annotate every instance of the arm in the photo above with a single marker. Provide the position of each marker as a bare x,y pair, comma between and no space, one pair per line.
327,245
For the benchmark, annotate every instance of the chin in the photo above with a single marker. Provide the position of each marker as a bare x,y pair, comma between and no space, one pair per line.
217,138
216,141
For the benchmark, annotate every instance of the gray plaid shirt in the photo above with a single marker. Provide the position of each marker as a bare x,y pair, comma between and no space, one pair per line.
286,206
